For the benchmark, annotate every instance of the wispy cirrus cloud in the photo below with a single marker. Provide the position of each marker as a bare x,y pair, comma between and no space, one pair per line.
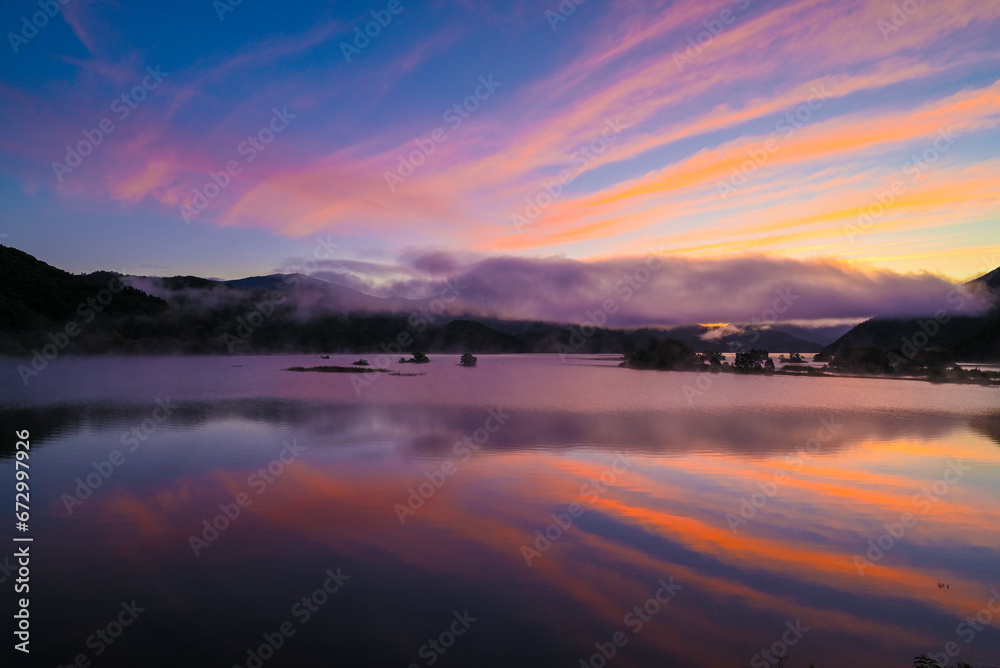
851,137
471,185
699,86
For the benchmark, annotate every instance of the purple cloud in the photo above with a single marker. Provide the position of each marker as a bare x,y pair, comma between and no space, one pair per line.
663,290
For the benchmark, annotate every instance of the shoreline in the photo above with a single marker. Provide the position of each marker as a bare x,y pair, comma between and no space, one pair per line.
823,373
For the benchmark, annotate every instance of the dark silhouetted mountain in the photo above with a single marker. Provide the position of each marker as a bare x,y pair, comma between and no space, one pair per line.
33,290
189,283
960,338
991,279
471,336
704,339
282,313
313,293
820,335
37,299
768,339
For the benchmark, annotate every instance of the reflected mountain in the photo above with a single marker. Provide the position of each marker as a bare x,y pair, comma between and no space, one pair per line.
433,430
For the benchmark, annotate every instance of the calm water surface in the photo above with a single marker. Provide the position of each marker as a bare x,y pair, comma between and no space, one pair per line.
525,512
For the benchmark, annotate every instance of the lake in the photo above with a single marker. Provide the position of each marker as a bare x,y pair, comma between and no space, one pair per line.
530,511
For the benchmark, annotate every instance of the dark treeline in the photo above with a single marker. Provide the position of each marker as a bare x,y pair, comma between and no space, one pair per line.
42,306
44,309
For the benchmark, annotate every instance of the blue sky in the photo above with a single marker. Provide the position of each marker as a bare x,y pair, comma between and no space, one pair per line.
695,89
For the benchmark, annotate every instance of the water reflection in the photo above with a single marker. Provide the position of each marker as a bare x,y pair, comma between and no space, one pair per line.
666,515
432,430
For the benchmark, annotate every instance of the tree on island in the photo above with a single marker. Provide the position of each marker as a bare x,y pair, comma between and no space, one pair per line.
755,360
713,359
665,355
674,355
933,360
862,360
934,364
924,661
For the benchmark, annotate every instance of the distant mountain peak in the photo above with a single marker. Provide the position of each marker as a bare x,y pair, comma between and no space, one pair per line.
992,279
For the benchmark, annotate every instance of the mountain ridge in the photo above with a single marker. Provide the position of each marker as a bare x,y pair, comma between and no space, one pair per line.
278,313
949,336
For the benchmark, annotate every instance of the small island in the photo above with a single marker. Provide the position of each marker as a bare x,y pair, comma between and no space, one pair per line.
674,355
349,369
930,365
